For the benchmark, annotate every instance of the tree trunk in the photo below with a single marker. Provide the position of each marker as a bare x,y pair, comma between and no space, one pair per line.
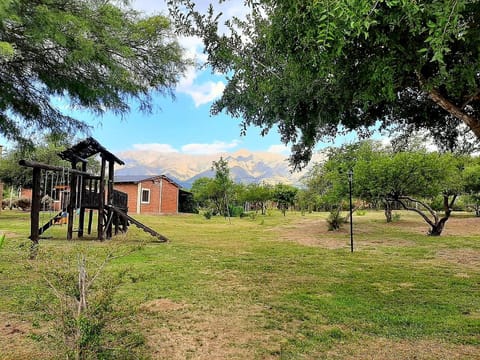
437,228
472,122
388,211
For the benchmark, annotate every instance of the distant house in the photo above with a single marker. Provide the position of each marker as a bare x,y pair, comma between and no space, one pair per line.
149,194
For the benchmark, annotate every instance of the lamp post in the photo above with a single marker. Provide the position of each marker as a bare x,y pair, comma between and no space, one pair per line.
350,181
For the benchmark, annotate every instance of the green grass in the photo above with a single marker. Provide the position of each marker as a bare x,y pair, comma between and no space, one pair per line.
253,290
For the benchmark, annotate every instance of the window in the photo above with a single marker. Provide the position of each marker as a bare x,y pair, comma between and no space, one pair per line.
145,196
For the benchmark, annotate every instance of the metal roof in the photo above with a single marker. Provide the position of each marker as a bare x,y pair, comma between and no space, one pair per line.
139,178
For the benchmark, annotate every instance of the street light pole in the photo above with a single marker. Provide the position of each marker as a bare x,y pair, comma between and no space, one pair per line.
350,181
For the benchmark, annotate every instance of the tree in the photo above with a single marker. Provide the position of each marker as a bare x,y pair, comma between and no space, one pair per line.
95,54
408,178
284,196
258,195
203,191
45,151
472,184
319,67
223,186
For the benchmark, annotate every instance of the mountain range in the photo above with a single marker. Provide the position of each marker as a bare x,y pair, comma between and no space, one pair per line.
245,166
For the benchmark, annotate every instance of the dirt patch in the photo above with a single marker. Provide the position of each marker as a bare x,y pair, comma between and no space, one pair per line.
310,232
386,349
314,232
16,341
462,227
215,335
161,305
466,257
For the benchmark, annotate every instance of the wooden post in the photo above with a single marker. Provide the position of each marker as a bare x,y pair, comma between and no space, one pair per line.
117,223
71,205
35,210
111,165
90,218
101,201
81,216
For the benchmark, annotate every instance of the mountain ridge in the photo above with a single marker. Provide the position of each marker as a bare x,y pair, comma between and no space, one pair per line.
245,166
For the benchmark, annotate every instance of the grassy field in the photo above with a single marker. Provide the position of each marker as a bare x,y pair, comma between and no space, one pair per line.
272,287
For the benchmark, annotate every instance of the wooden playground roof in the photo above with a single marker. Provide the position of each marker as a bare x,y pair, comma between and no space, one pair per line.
87,148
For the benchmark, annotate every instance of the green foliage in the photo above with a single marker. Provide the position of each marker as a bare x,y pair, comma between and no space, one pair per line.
85,315
335,219
284,196
236,211
257,195
207,214
96,55
318,68
382,175
44,150
2,240
360,212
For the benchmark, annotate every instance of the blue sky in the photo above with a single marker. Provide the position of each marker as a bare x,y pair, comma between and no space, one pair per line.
184,124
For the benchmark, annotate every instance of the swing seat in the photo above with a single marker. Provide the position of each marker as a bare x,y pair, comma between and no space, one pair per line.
60,220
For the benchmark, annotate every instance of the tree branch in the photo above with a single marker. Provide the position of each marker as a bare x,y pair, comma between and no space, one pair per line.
470,121
421,213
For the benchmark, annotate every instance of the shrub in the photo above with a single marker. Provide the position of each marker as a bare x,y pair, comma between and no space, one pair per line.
23,203
236,211
335,219
207,214
361,212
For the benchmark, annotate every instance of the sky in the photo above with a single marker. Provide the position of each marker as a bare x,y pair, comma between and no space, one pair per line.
183,124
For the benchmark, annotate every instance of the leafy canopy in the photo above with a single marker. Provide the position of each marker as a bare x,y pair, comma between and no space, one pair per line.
94,54
314,68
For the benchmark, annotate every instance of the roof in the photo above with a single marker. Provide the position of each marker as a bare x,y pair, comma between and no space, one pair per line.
135,179
87,148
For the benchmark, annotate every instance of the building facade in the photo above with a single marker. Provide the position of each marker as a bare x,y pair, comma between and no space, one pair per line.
149,194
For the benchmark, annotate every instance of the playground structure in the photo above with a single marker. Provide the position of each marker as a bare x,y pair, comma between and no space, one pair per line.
83,191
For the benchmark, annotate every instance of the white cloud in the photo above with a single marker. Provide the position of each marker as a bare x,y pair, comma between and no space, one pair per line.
206,92
162,148
279,149
149,6
201,93
214,148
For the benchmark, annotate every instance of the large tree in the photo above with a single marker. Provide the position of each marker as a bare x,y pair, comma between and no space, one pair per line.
93,54
412,179
316,67
45,151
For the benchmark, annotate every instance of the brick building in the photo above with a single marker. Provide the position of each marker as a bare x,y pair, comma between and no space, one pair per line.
149,194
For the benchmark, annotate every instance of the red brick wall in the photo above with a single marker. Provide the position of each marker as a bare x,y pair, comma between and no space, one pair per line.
26,193
167,204
153,207
131,190
169,198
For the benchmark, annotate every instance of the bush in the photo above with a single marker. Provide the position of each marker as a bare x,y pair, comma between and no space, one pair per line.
23,203
235,211
361,212
396,217
335,219
207,214
5,203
